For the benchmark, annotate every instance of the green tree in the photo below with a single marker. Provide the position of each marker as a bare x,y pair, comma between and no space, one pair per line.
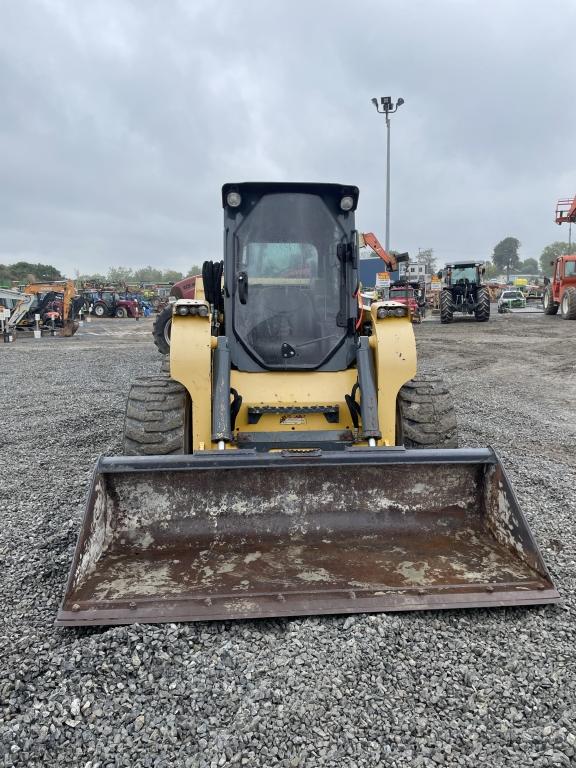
426,257
171,276
491,271
551,253
505,255
95,279
529,267
27,272
194,270
148,274
120,275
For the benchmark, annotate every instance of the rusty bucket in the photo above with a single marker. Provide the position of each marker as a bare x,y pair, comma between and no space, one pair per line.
239,534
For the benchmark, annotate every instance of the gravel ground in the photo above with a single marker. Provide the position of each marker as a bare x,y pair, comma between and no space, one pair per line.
468,688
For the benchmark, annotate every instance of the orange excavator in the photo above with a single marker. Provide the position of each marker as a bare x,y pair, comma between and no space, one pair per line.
369,240
66,288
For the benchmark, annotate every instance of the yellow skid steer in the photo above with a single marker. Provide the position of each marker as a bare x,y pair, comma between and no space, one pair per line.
293,461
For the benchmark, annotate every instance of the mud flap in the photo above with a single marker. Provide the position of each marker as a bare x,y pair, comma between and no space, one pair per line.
235,534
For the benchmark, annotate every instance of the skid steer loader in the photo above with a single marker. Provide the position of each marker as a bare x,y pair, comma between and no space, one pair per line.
293,462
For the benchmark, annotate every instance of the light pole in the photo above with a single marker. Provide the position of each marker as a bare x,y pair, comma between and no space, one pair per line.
387,108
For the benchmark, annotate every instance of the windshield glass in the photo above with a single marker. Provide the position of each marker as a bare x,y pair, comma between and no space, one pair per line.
570,269
463,274
287,249
402,292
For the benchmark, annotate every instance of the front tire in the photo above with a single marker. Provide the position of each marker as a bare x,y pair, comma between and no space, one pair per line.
121,312
568,305
161,330
550,306
100,310
446,307
482,310
426,416
158,418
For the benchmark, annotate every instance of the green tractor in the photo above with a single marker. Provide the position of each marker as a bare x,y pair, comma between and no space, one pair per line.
464,291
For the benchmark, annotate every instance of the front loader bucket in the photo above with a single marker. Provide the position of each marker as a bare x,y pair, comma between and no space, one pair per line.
236,534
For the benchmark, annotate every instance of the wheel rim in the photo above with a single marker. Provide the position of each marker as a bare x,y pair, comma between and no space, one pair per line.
565,304
167,331
99,311
546,300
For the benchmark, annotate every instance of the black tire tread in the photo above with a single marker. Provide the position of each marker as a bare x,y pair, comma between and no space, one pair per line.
482,311
552,308
156,420
158,330
426,413
571,313
446,307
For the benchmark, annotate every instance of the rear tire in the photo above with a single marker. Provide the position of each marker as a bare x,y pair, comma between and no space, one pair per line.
568,305
550,306
426,416
446,307
158,418
482,311
161,330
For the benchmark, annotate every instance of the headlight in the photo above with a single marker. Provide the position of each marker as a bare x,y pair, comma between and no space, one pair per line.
203,311
233,199
347,203
193,310
383,312
182,310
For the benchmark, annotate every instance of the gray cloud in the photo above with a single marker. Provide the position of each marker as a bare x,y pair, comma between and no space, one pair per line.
120,120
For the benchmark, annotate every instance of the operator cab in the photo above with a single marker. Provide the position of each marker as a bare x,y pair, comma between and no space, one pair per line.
292,249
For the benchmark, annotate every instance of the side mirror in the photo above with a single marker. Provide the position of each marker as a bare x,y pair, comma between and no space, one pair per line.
552,263
439,274
483,271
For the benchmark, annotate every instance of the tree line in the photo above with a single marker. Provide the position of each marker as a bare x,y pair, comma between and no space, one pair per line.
506,259
28,272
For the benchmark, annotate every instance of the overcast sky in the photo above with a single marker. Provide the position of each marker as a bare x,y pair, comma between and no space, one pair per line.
121,119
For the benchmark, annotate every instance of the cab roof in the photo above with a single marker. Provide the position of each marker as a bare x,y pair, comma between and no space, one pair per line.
259,188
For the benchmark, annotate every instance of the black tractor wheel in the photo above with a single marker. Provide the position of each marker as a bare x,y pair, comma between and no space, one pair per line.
158,418
426,416
568,304
482,310
161,330
121,312
446,307
100,309
550,306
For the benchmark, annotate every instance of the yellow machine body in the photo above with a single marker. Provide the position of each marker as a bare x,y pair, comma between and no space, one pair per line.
394,350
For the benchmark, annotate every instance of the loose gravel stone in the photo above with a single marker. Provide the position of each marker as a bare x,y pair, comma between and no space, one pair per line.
455,688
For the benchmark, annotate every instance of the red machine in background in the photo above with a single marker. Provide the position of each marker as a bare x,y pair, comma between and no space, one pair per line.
401,292
566,211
